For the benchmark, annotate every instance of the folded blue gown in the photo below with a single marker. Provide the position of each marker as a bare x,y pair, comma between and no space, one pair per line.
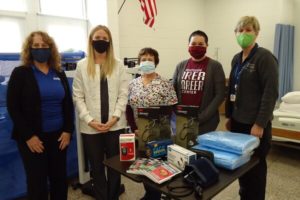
225,159
237,143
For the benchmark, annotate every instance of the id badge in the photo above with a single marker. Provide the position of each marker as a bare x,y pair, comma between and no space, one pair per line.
235,87
156,82
232,97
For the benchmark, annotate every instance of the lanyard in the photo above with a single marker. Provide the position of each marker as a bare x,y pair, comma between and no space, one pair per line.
240,66
238,71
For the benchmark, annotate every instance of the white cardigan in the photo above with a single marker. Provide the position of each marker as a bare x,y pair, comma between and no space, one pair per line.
86,96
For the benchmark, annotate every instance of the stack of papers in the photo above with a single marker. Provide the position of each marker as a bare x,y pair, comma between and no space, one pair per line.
156,170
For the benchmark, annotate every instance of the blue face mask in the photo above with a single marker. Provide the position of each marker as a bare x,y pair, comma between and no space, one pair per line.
41,55
147,67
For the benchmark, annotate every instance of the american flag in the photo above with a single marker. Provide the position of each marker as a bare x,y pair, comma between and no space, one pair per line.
149,9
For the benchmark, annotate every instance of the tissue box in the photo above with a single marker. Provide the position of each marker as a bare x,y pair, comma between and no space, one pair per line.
127,147
180,156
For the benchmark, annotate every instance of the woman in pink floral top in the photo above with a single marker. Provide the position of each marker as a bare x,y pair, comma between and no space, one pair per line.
148,90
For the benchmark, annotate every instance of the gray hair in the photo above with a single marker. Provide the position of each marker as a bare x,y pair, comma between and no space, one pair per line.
246,21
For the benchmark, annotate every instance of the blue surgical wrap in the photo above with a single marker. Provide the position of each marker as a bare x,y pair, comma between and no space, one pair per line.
237,143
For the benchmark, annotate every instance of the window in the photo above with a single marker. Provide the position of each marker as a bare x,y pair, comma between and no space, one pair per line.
68,37
11,36
64,8
59,22
97,12
64,20
13,5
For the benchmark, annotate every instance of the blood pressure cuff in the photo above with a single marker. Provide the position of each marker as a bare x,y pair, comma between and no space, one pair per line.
201,172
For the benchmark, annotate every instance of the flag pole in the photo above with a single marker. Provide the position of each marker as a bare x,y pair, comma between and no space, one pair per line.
121,6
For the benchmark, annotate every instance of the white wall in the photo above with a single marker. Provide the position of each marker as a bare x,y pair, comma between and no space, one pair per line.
178,18
175,20
113,24
220,28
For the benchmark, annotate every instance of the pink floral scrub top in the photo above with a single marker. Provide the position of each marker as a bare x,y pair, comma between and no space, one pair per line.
159,91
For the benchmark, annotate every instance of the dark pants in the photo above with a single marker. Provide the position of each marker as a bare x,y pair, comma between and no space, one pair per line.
253,183
151,194
41,167
96,146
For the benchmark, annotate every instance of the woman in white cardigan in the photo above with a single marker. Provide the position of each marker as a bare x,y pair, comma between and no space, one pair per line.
100,90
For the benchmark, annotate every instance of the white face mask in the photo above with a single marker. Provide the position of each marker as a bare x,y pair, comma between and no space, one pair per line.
147,67
134,70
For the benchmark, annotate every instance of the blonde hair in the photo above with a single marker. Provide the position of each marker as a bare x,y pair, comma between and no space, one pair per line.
108,66
26,57
246,21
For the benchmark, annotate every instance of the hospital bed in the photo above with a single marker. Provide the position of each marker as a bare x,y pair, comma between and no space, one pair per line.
286,127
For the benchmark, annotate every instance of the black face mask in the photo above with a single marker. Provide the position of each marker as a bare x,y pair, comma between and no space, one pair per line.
100,45
40,55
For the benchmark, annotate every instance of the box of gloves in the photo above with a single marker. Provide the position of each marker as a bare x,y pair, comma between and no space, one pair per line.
180,156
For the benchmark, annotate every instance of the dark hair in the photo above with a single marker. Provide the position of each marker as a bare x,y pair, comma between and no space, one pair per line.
200,33
149,51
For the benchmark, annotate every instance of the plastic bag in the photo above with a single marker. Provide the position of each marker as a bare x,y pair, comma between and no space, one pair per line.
225,159
237,143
